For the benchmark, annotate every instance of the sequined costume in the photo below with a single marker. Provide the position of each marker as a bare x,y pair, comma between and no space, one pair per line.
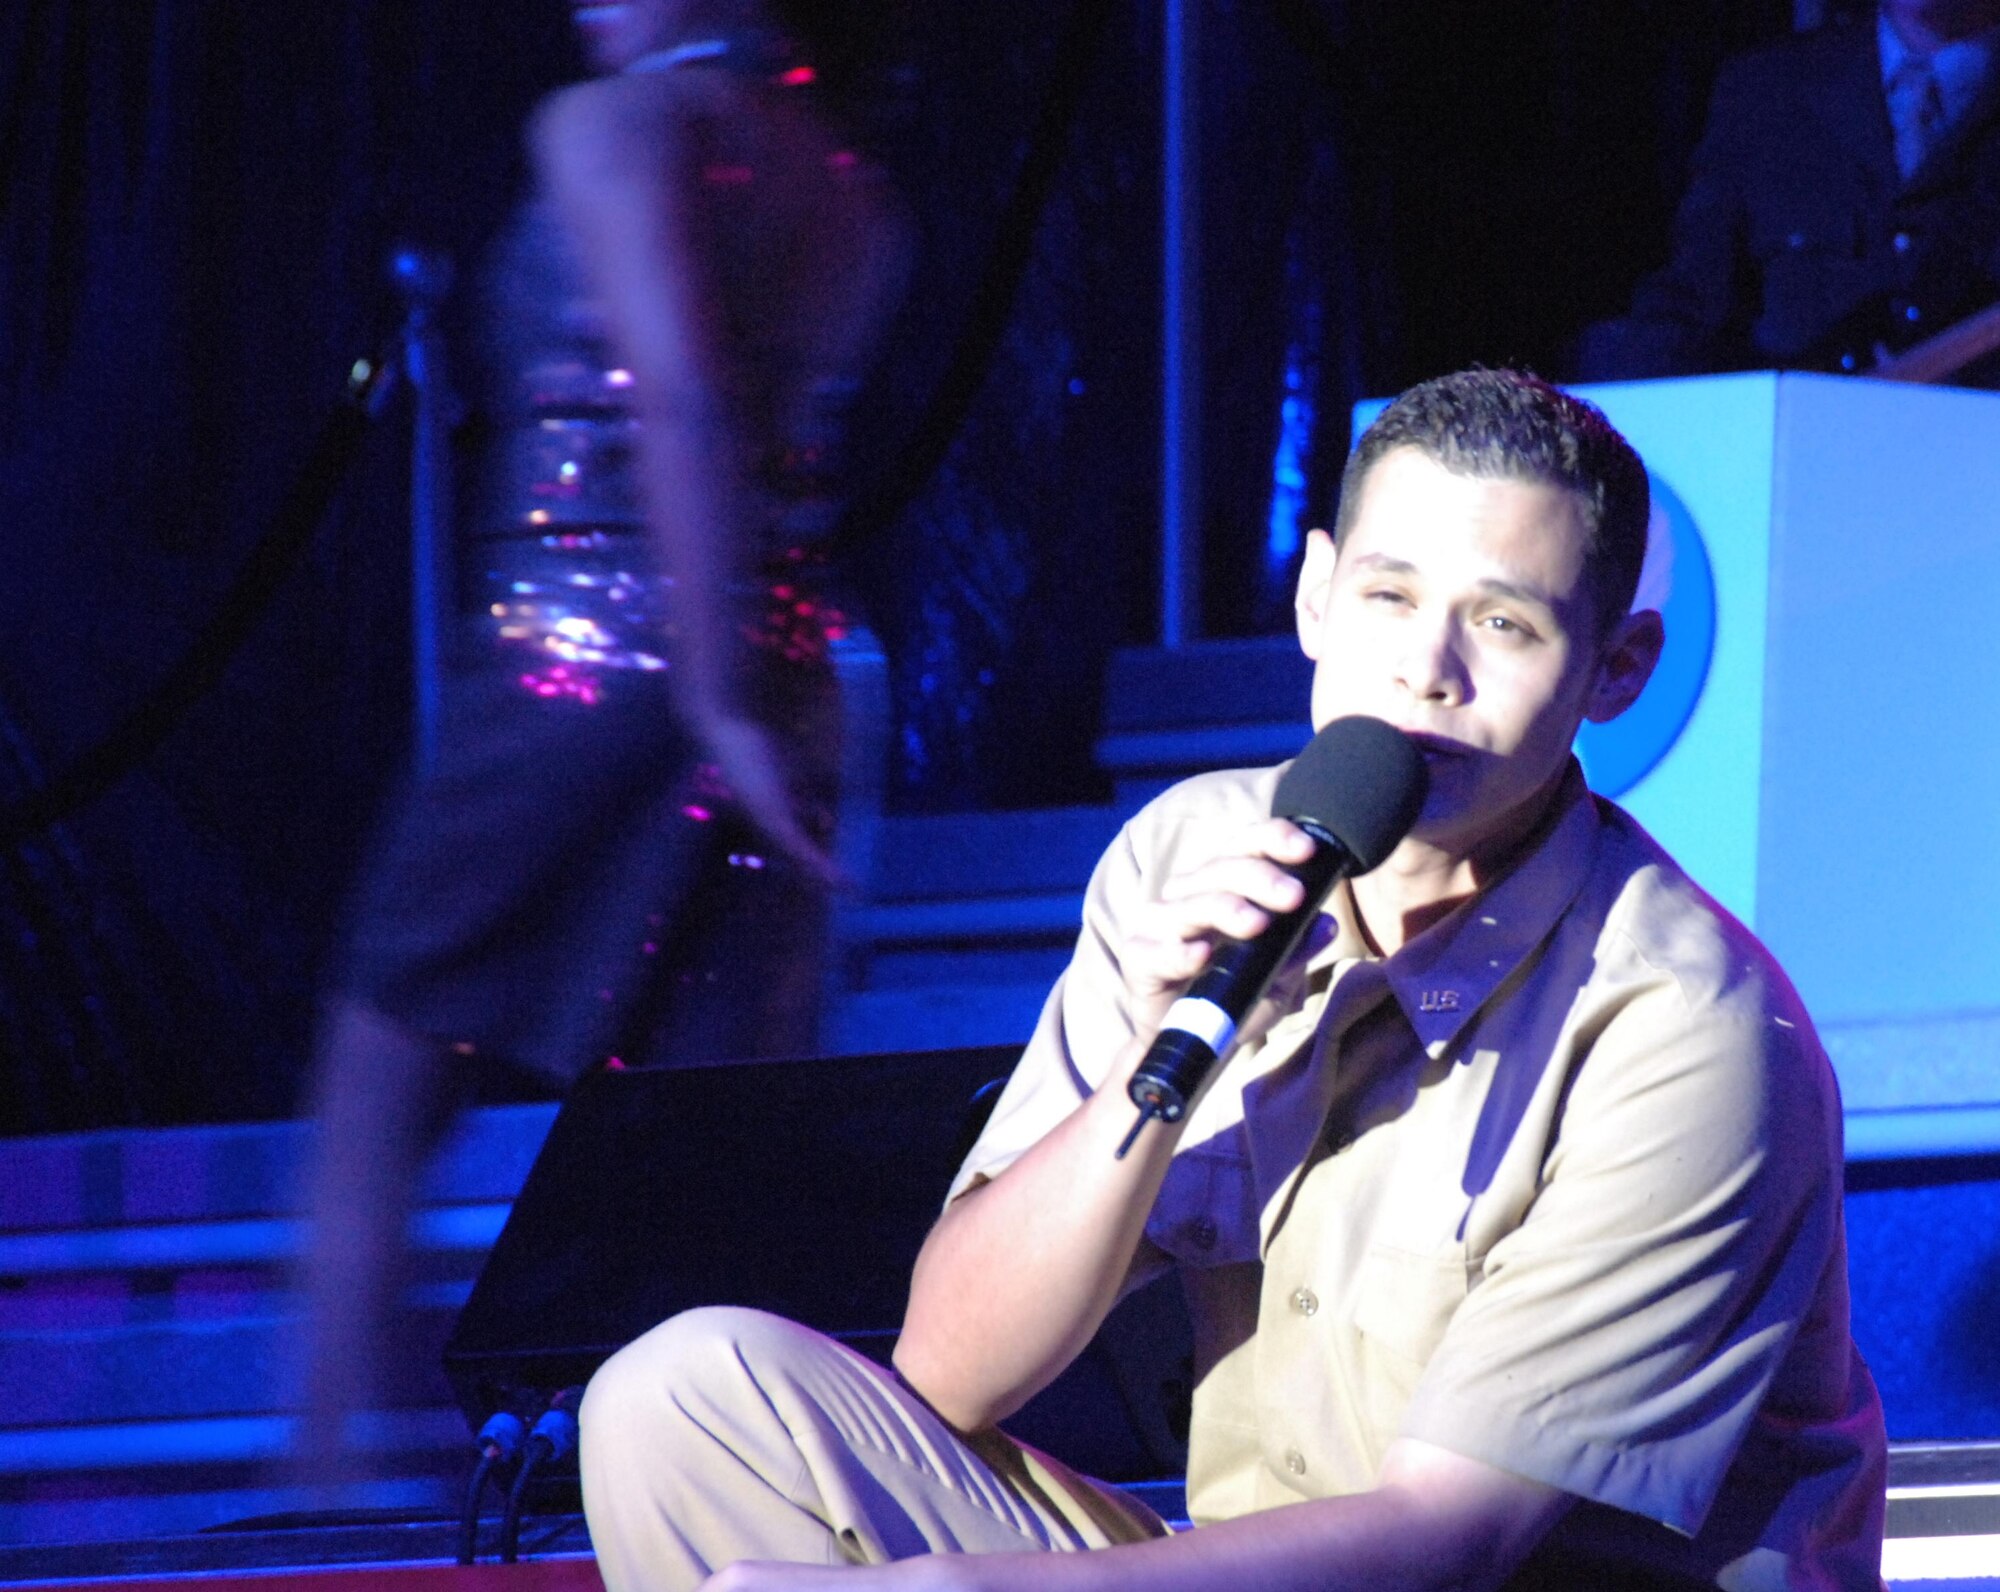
568,883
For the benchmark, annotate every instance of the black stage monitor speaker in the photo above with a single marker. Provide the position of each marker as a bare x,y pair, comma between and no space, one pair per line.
799,1187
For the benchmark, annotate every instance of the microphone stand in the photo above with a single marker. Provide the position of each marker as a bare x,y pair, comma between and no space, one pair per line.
423,279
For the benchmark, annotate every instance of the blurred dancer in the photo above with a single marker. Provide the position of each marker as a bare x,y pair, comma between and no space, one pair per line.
621,848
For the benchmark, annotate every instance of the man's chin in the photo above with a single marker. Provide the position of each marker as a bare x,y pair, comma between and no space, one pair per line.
1465,817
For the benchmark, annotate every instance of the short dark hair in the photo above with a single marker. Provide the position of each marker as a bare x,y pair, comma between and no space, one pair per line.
1510,425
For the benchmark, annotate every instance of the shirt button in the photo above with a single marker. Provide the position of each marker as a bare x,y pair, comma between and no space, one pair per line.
1900,243
1203,1233
1912,313
1295,1462
1305,1302
1795,240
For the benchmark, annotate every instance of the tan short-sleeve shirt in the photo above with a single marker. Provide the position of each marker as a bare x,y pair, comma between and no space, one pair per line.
1557,1187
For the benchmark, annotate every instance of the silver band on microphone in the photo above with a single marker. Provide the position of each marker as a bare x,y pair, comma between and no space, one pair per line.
1205,1020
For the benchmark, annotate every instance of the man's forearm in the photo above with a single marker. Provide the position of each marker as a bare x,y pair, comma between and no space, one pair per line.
1018,1275
1380,1541
1437,1522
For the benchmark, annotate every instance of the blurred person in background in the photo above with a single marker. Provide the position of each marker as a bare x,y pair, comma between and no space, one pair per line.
1843,204
621,847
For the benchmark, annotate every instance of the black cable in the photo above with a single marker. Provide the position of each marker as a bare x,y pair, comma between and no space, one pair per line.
499,1441
992,301
553,1438
510,1522
276,553
468,1519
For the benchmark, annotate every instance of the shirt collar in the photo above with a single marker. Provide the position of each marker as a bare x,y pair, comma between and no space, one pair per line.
1444,975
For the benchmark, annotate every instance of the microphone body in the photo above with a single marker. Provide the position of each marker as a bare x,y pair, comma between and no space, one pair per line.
1356,789
1200,1026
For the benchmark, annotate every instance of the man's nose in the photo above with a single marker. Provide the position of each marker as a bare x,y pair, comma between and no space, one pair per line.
1433,664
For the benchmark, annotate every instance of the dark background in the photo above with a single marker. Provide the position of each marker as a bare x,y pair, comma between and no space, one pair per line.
199,198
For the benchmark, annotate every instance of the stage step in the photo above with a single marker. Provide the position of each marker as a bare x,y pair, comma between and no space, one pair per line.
1171,712
964,925
146,1324
1944,1517
965,920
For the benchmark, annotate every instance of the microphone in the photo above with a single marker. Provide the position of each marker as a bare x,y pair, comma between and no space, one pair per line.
1356,789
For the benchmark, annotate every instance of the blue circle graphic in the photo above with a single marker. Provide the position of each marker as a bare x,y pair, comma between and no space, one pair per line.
1617,755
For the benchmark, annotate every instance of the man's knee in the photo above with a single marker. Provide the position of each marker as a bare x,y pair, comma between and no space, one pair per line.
699,1359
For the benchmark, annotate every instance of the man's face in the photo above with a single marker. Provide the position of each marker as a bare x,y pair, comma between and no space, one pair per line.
1459,610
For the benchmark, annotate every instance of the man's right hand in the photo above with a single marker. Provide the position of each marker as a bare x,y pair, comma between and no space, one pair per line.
1234,894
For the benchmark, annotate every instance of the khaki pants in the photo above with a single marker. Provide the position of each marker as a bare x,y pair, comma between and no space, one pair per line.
728,1434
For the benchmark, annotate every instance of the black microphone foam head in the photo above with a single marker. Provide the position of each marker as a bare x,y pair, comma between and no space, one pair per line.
1360,780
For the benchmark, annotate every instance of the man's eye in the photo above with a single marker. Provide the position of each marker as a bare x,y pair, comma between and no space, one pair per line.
1384,594
1505,625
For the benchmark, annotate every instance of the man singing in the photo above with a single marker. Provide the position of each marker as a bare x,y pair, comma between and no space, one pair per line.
1510,1228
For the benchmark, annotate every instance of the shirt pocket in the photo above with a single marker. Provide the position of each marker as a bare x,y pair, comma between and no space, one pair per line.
1206,1212
1404,1303
1405,1300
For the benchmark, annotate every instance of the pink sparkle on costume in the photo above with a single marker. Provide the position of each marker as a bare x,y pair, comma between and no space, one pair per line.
562,682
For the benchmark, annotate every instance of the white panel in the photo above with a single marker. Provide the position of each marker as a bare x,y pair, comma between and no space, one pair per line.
1712,440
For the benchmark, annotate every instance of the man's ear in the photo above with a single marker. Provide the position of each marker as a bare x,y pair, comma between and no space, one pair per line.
1626,665
1315,591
